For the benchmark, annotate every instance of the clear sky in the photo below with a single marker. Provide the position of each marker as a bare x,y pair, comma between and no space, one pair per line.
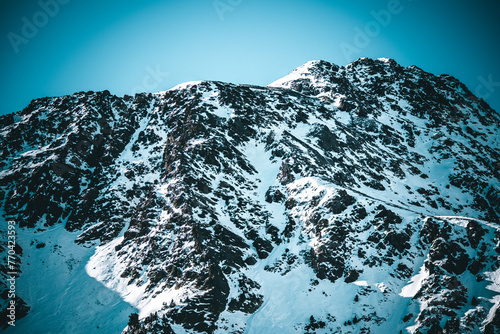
58,47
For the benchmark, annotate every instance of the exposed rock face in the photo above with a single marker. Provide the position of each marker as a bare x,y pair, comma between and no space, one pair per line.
360,199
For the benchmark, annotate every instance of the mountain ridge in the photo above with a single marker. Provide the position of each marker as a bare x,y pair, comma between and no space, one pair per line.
203,206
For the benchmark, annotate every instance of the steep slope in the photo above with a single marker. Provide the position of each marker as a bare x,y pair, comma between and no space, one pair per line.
361,199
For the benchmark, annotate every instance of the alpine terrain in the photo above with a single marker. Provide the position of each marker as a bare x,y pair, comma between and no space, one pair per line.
356,199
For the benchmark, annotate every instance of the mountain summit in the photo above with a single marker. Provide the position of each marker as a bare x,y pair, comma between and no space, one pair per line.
356,199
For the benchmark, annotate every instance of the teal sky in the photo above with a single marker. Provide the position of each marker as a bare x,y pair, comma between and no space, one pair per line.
58,47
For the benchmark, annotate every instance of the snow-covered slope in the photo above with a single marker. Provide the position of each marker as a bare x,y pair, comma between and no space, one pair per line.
359,199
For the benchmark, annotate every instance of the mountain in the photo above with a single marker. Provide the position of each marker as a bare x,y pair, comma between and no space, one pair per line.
356,199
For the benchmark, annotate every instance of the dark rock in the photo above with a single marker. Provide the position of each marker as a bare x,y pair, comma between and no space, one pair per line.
339,202
263,247
431,230
274,195
455,257
475,233
398,240
351,276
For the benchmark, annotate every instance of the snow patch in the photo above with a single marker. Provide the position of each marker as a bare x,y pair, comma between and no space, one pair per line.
415,283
